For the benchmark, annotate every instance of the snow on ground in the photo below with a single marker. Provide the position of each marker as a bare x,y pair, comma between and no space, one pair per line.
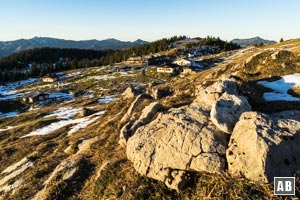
50,128
65,114
9,114
62,84
61,95
7,128
9,91
74,74
84,122
280,88
106,99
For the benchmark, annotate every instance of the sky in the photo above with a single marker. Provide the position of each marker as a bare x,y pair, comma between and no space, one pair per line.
149,20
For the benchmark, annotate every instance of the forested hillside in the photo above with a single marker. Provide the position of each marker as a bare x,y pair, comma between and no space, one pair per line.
41,61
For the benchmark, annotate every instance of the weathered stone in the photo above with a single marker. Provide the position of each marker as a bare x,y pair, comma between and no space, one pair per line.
133,105
158,93
182,139
85,112
227,110
264,146
206,97
147,115
125,132
131,92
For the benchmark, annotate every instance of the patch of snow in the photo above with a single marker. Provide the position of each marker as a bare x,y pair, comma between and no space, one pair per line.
9,114
50,128
80,124
280,88
64,113
7,128
106,99
84,122
62,84
61,95
74,74
9,91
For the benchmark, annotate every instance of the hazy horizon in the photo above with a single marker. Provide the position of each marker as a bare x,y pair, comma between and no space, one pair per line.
131,20
124,40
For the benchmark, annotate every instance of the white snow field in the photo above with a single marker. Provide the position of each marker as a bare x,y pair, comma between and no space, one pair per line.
280,88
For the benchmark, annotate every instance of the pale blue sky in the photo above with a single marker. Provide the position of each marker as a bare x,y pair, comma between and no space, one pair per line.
149,19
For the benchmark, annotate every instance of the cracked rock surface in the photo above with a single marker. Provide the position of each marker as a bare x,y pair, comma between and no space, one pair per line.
227,110
179,140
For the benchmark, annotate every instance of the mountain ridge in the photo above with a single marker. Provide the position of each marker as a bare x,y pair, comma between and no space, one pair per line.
9,47
251,41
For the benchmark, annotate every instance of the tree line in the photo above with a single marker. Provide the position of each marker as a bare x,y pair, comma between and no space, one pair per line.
42,61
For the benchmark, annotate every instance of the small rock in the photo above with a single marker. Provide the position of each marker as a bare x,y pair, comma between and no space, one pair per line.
85,112
131,92
158,93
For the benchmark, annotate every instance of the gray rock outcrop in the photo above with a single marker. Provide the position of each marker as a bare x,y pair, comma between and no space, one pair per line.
131,92
158,93
206,97
147,115
180,140
226,111
133,106
263,146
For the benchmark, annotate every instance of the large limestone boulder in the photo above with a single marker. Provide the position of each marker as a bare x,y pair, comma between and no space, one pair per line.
147,115
264,146
177,141
206,97
227,110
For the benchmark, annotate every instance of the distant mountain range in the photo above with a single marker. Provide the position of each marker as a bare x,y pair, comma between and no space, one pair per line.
252,41
9,47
